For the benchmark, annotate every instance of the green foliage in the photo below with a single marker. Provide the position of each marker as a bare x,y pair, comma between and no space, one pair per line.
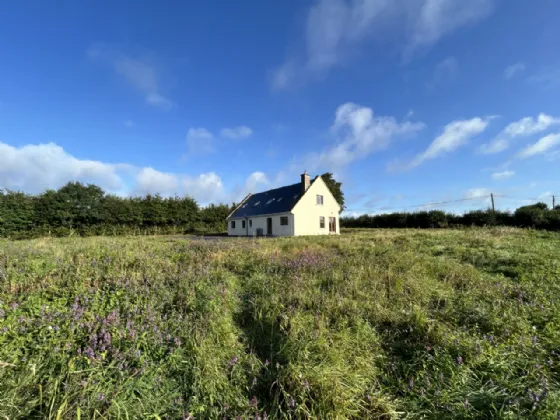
371,324
535,216
335,187
78,209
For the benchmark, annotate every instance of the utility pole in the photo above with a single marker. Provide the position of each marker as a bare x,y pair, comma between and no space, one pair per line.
553,202
492,197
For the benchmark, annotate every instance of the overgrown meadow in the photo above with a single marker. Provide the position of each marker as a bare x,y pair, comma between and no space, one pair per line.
371,324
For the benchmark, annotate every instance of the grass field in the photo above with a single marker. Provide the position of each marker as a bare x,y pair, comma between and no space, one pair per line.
371,324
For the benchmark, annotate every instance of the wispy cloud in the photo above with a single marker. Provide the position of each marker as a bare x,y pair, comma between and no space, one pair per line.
140,72
514,69
498,176
454,135
360,132
236,133
542,146
335,27
200,141
548,78
445,71
524,127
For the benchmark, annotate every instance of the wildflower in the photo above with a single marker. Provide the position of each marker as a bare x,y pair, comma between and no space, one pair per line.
292,403
428,348
177,341
253,402
411,383
233,361
254,384
90,353
101,397
265,416
2,313
266,363
306,385
459,360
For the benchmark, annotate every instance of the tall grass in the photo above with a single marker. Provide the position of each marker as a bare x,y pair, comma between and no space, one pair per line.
385,324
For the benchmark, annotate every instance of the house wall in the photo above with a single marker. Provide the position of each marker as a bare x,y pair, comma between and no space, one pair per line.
307,212
260,222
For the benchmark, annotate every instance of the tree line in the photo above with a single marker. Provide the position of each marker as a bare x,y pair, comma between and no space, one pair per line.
538,216
87,210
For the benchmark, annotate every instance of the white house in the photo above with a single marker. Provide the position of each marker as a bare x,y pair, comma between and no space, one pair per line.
305,208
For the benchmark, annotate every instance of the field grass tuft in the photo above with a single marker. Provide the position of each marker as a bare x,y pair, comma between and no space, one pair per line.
372,324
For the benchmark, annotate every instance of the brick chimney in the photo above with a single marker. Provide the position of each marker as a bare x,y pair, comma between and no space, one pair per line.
305,182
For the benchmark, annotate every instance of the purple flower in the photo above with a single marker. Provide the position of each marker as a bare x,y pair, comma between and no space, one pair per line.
177,341
292,403
265,416
266,363
253,402
90,353
459,360
233,360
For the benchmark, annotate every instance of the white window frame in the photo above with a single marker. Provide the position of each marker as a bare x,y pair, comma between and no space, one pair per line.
287,221
321,222
319,198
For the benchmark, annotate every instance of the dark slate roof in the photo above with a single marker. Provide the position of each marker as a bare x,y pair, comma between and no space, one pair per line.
279,200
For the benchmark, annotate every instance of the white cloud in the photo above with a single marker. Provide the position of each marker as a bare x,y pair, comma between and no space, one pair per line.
150,181
335,27
524,127
542,146
478,193
200,141
360,133
454,135
512,70
206,188
241,132
139,72
502,175
34,168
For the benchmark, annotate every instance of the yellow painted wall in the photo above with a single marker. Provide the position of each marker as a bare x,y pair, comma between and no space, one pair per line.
307,211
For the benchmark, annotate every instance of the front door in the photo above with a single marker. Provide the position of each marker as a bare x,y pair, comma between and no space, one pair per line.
269,226
332,224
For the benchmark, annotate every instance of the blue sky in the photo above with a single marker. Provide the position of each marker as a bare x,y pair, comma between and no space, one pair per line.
407,101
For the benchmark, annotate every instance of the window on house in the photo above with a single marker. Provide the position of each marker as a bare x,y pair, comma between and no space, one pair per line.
280,199
257,203
250,222
319,200
283,220
233,224
243,224
322,222
270,201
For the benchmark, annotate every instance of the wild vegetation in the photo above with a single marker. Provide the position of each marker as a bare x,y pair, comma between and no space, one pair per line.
86,210
537,216
371,324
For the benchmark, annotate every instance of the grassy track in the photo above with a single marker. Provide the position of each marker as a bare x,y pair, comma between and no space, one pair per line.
372,324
